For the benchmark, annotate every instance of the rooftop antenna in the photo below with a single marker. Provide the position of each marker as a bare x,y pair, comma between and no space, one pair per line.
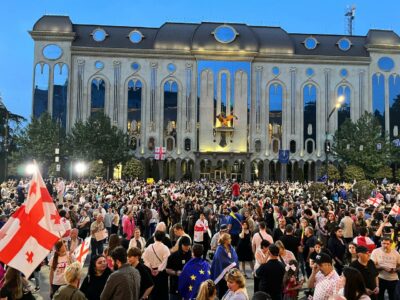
350,15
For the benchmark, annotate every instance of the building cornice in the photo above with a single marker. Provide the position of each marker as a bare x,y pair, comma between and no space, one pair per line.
52,36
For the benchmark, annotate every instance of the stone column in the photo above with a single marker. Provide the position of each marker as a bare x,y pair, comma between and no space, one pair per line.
293,100
283,172
266,170
362,107
178,163
293,176
196,171
309,173
301,167
161,169
247,169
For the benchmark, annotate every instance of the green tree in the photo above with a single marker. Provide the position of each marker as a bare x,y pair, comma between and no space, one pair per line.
97,139
362,144
362,189
133,168
353,173
38,141
317,190
333,172
384,172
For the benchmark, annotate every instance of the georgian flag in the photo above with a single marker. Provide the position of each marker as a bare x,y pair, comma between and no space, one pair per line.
374,201
82,251
31,232
395,211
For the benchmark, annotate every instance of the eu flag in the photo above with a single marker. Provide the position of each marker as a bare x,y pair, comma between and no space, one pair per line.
283,156
193,274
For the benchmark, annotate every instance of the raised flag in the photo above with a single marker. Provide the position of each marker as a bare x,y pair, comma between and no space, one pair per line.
395,211
31,232
82,251
374,201
284,156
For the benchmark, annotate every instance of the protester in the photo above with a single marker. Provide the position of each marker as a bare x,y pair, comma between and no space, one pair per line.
124,283
96,279
71,291
271,274
225,258
236,286
146,280
354,286
58,264
207,291
387,261
15,286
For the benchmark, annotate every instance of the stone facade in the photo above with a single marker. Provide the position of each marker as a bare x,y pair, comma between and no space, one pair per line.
261,76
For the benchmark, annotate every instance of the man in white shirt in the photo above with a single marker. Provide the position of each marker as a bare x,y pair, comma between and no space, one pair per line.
324,279
260,236
387,261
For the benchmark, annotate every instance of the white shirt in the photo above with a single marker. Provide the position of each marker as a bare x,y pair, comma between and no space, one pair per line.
156,256
389,260
326,286
257,239
133,243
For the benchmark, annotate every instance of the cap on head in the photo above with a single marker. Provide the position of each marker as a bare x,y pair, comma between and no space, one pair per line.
362,249
323,258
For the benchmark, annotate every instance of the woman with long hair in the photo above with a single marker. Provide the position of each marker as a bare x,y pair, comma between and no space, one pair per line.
236,286
207,291
58,263
15,286
96,278
244,250
351,254
338,248
113,242
354,286
225,258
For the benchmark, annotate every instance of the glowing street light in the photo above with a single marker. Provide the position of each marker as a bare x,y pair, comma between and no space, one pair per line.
80,168
30,169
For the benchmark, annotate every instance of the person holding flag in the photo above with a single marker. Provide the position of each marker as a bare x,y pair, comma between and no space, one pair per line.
234,225
225,258
31,232
196,271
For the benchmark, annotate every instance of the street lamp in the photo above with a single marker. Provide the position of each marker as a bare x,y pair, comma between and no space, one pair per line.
80,168
338,103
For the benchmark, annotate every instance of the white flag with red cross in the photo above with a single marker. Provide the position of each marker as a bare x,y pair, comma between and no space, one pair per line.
375,201
82,250
31,232
395,211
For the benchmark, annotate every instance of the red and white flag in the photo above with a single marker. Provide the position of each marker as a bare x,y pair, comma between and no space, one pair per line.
82,251
31,232
395,211
375,201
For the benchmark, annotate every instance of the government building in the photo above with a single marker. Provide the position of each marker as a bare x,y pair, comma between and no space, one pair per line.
217,100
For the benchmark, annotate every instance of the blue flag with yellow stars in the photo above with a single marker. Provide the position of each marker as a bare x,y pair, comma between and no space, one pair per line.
193,274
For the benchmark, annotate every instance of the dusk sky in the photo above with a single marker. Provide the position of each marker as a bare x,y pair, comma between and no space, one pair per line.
308,16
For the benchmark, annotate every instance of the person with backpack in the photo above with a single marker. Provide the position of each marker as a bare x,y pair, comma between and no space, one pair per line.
261,235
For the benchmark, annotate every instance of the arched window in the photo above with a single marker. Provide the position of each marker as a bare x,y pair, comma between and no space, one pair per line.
98,96
275,145
292,146
224,96
378,98
151,144
275,111
134,106
310,112
60,92
170,108
394,105
310,146
188,144
170,144
41,89
344,109
257,146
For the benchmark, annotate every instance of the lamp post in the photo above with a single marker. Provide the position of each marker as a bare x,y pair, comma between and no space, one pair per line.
338,103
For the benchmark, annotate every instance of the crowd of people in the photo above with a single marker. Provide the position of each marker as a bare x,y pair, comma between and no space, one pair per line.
205,240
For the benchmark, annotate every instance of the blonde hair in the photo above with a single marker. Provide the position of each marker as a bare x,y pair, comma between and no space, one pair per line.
207,290
73,272
223,238
280,245
236,276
